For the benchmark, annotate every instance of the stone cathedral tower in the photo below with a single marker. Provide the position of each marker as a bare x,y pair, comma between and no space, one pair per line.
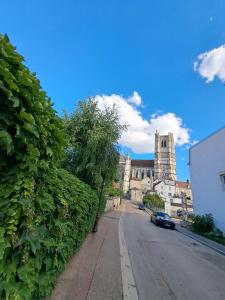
165,161
127,171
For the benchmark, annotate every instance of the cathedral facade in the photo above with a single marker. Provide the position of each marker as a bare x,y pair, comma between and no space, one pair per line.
139,173
158,175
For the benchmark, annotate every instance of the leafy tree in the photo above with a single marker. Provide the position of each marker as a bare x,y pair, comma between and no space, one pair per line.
93,152
113,192
154,200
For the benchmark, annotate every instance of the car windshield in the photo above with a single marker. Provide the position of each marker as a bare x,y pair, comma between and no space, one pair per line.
163,215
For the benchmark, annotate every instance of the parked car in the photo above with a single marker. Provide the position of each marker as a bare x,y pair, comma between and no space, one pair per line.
162,219
141,206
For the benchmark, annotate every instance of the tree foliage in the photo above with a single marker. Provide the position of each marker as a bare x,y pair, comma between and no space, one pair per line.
45,212
203,223
113,192
93,153
154,200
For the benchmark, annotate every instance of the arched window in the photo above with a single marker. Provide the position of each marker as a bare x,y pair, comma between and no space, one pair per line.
136,174
164,144
148,173
142,175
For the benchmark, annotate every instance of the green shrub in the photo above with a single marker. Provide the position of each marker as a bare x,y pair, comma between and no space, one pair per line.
45,212
203,223
113,192
154,201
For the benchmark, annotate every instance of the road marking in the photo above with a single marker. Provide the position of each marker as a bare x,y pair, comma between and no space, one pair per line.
128,282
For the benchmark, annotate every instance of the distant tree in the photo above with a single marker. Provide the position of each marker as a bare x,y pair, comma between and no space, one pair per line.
113,192
93,152
154,200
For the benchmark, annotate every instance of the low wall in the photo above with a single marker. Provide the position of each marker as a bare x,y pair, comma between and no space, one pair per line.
112,203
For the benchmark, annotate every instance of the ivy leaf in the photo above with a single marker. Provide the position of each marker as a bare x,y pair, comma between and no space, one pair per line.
33,238
31,128
49,151
3,243
27,274
6,141
16,101
45,201
26,117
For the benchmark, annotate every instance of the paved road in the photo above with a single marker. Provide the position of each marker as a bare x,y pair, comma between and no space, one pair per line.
168,265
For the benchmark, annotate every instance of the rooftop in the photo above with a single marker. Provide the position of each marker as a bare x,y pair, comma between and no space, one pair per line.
183,184
143,163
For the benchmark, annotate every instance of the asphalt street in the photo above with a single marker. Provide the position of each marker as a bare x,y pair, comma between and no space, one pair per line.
169,265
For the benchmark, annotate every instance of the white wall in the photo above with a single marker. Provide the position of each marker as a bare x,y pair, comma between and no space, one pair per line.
112,203
136,195
166,191
207,161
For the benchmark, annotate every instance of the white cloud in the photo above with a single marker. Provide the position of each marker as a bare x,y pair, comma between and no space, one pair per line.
141,132
135,99
211,64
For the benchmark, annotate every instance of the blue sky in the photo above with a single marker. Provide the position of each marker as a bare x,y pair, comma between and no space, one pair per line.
83,48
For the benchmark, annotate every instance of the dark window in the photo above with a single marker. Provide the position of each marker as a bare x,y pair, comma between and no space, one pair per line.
164,144
142,175
137,174
148,174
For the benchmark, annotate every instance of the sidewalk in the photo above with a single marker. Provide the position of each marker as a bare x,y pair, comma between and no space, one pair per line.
94,273
201,239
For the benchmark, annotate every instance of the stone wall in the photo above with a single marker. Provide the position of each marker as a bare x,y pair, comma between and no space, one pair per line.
112,203
136,195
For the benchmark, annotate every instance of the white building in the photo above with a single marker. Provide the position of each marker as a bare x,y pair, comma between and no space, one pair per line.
207,170
166,190
176,195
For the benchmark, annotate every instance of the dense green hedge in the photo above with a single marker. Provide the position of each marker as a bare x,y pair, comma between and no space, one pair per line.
53,223
45,212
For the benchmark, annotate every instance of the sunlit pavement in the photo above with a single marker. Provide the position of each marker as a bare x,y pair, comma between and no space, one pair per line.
169,265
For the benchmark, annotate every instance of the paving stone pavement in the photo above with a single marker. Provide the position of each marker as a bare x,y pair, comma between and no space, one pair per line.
94,273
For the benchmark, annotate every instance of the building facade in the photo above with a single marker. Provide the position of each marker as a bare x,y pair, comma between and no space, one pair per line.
177,195
207,170
148,171
165,162
140,177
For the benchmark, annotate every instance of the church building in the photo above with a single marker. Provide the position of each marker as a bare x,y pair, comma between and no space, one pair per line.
140,177
162,167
